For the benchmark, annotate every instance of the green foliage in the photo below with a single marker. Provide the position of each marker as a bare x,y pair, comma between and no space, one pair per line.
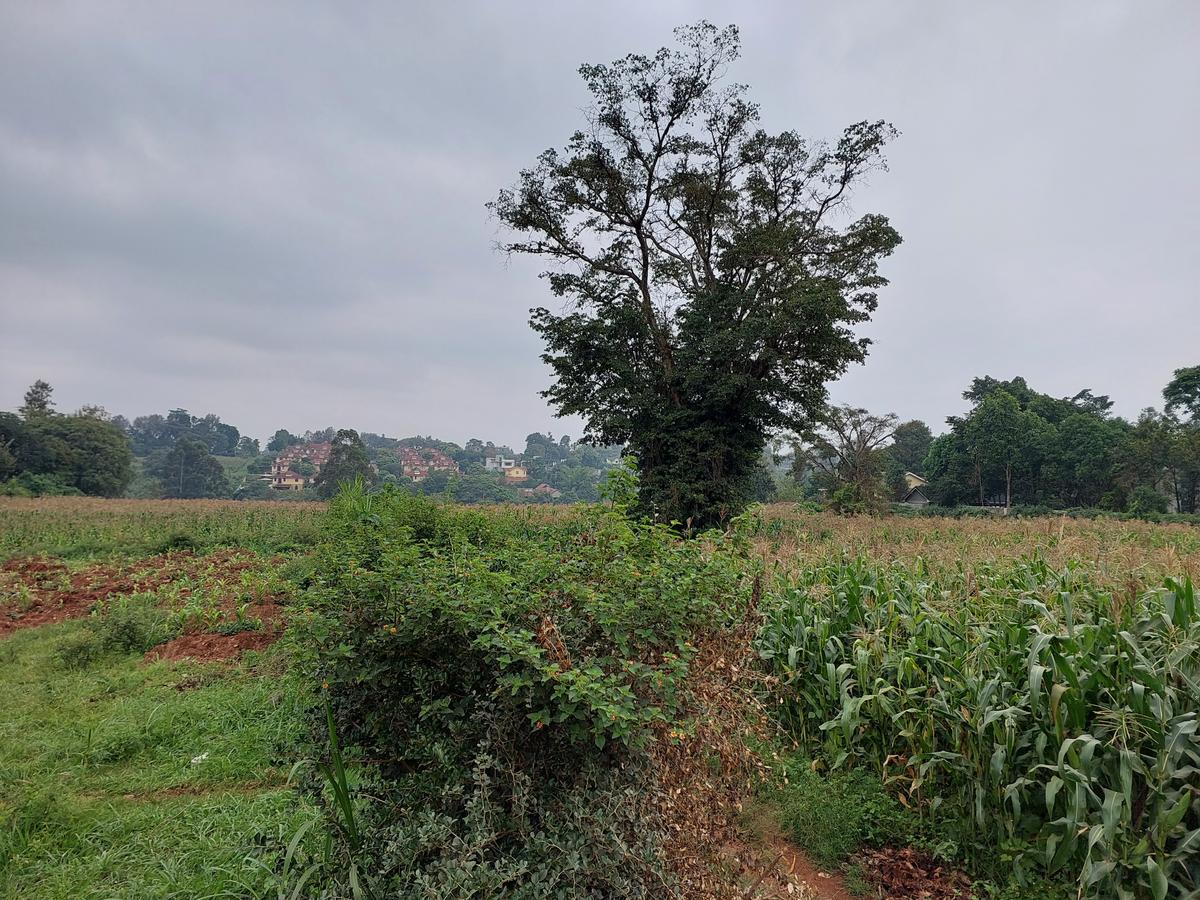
129,624
907,452
710,288
37,401
52,454
831,815
1182,393
1056,722
348,462
1146,500
1017,446
188,471
496,669
152,433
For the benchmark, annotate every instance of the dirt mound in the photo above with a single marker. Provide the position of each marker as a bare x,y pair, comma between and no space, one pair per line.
38,591
207,647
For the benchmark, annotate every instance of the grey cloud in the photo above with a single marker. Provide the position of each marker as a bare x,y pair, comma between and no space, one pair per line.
275,211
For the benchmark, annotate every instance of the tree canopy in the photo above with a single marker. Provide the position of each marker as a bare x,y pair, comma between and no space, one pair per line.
42,452
348,461
1182,393
711,274
188,471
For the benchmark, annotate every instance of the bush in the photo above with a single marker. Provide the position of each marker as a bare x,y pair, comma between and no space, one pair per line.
502,674
132,624
1145,499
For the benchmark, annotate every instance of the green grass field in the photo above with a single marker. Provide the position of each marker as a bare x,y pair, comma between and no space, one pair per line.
124,779
971,701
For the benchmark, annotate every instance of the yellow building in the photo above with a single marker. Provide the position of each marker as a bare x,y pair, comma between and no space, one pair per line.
516,473
288,481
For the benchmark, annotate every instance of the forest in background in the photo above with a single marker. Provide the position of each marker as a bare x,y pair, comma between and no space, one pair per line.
1015,447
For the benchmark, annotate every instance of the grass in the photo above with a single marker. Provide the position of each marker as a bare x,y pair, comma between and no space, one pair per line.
131,780
120,778
86,527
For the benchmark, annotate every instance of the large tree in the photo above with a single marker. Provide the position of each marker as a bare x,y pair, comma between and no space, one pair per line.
1000,436
98,460
189,471
710,272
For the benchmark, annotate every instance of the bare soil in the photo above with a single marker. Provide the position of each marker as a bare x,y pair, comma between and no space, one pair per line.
52,593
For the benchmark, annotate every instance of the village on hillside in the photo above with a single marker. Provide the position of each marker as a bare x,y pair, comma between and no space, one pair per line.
549,470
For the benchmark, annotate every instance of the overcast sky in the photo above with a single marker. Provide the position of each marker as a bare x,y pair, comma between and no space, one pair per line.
275,212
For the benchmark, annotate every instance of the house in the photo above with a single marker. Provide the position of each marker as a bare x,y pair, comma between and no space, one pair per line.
916,491
543,490
285,478
418,463
288,481
509,467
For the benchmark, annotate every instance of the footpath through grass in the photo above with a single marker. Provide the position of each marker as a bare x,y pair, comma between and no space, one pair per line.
123,779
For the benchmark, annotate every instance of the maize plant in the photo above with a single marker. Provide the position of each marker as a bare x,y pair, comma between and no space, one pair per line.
1047,713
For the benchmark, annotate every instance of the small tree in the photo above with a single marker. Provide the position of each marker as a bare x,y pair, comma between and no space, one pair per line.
845,448
710,276
37,400
347,461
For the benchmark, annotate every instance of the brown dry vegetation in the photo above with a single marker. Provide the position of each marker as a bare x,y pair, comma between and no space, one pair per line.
1121,555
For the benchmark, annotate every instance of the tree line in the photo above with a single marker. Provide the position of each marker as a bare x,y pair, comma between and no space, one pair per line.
1015,447
183,456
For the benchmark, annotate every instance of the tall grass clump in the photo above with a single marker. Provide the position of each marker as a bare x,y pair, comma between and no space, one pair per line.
1055,721
493,680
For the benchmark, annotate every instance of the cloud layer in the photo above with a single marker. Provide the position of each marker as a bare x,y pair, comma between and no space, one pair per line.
275,212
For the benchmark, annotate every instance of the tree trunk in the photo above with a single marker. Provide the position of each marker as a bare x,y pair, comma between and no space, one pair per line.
1008,488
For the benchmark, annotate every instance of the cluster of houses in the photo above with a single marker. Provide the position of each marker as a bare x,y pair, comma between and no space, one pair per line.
284,478
417,463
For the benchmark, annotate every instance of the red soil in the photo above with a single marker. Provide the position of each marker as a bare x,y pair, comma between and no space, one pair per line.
55,594
207,647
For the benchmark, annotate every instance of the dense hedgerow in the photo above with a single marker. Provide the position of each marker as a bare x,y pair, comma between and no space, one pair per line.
497,676
1055,721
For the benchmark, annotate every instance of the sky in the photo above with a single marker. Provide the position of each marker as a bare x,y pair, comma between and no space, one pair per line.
275,211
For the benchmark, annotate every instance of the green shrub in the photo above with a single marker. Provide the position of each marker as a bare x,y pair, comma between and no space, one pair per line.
176,540
501,674
831,815
130,624
1144,500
